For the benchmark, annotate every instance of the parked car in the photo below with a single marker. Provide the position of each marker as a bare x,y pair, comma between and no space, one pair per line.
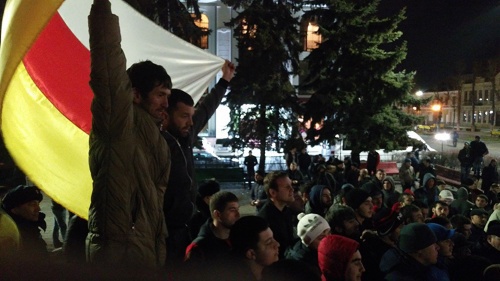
205,159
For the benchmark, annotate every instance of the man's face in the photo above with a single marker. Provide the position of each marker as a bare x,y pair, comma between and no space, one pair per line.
230,214
181,119
258,178
378,200
29,210
284,194
387,185
446,248
380,175
351,227
408,199
495,189
326,197
365,210
267,250
315,243
355,268
479,220
429,255
441,210
430,183
157,102
466,230
494,241
481,202
417,217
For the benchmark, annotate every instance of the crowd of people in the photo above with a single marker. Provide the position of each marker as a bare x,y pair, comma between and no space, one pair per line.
319,220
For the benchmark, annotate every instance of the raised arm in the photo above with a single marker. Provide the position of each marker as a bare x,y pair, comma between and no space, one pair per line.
112,103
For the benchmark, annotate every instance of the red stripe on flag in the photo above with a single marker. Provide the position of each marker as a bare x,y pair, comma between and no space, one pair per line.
60,66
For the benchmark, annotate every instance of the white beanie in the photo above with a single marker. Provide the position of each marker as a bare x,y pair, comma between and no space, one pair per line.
310,227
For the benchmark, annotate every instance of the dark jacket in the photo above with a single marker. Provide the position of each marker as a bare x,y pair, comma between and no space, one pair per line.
258,193
465,157
281,223
315,205
484,249
207,248
461,205
397,266
301,252
180,196
199,218
390,196
425,194
489,176
32,243
129,160
372,249
478,149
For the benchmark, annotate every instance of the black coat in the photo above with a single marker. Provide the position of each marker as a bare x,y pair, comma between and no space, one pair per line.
281,223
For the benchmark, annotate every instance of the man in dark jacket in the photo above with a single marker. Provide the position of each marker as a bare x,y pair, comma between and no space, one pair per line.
212,243
465,158
372,162
490,248
416,256
490,176
478,150
279,190
184,123
23,205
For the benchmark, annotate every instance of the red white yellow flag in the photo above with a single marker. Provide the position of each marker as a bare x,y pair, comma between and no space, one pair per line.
45,93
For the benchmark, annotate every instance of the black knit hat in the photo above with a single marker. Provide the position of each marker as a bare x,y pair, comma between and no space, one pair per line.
493,228
20,195
415,237
386,220
356,197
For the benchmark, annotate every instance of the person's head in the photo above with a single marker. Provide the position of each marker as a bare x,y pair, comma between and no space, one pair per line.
469,182
440,209
491,273
311,229
411,214
180,113
426,161
293,166
443,236
208,188
429,180
406,199
361,202
493,234
375,193
462,224
23,201
249,152
418,241
493,163
340,259
342,220
252,240
466,144
388,184
481,201
278,187
424,208
477,138
388,224
444,221
446,196
478,217
259,176
380,174
224,209
152,86
495,188
407,162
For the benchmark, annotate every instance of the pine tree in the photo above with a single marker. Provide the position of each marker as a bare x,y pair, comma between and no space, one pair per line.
269,47
357,91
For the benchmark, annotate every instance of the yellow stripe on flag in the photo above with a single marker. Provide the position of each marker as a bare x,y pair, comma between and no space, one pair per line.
51,149
22,21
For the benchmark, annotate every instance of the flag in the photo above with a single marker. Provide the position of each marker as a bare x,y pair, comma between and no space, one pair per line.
44,86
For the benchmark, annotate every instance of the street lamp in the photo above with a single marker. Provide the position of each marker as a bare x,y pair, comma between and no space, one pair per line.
442,137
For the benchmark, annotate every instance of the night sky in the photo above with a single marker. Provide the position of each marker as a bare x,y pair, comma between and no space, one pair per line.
440,33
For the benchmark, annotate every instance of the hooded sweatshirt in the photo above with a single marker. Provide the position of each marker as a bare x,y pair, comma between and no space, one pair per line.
461,205
315,205
426,194
390,196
